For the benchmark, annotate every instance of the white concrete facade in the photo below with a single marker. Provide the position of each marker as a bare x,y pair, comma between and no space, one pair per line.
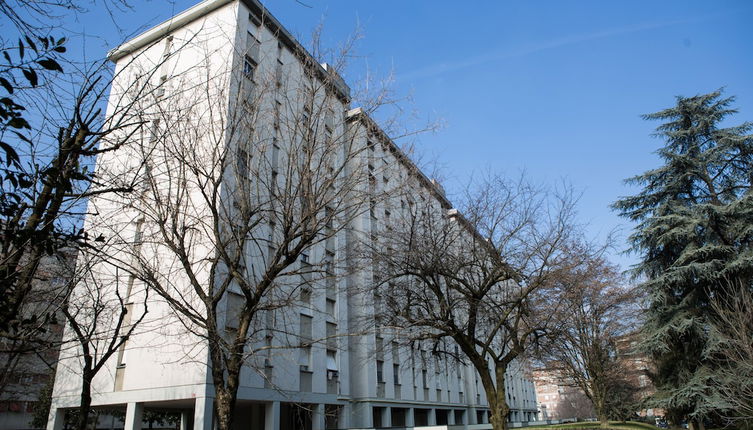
362,380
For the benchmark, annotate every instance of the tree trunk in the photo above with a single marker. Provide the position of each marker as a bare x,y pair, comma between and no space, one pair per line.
223,410
85,406
226,395
601,410
696,425
499,411
603,419
497,397
226,371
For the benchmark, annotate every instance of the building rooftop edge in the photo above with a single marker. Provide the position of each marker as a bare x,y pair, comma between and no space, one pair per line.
431,185
207,6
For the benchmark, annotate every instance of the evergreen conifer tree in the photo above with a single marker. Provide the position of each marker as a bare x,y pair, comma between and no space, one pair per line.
694,232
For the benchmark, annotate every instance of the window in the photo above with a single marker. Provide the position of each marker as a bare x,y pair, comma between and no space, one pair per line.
254,20
396,374
234,307
154,132
380,370
249,66
329,119
306,295
277,113
304,359
332,360
331,332
168,47
160,91
329,262
273,184
306,119
331,307
306,327
278,73
242,163
275,155
329,215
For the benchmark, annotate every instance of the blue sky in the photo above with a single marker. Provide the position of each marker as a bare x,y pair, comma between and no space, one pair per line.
550,87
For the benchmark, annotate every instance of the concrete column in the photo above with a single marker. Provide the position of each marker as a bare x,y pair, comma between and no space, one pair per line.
317,417
387,417
185,419
451,417
432,417
410,418
362,417
134,415
344,417
272,416
56,418
472,418
203,414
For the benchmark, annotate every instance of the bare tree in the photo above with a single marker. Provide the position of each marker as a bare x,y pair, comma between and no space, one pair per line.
101,313
732,331
484,276
574,403
600,311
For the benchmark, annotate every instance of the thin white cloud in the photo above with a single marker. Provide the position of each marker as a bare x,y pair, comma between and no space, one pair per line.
442,68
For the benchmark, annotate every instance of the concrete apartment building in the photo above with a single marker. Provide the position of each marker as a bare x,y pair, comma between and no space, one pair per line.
358,375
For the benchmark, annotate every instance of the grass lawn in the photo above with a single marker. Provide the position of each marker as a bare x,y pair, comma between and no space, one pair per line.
629,425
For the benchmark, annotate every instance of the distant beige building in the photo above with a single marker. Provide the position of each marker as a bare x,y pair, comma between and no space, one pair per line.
637,366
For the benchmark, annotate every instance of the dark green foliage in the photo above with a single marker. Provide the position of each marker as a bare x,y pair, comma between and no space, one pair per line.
694,234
